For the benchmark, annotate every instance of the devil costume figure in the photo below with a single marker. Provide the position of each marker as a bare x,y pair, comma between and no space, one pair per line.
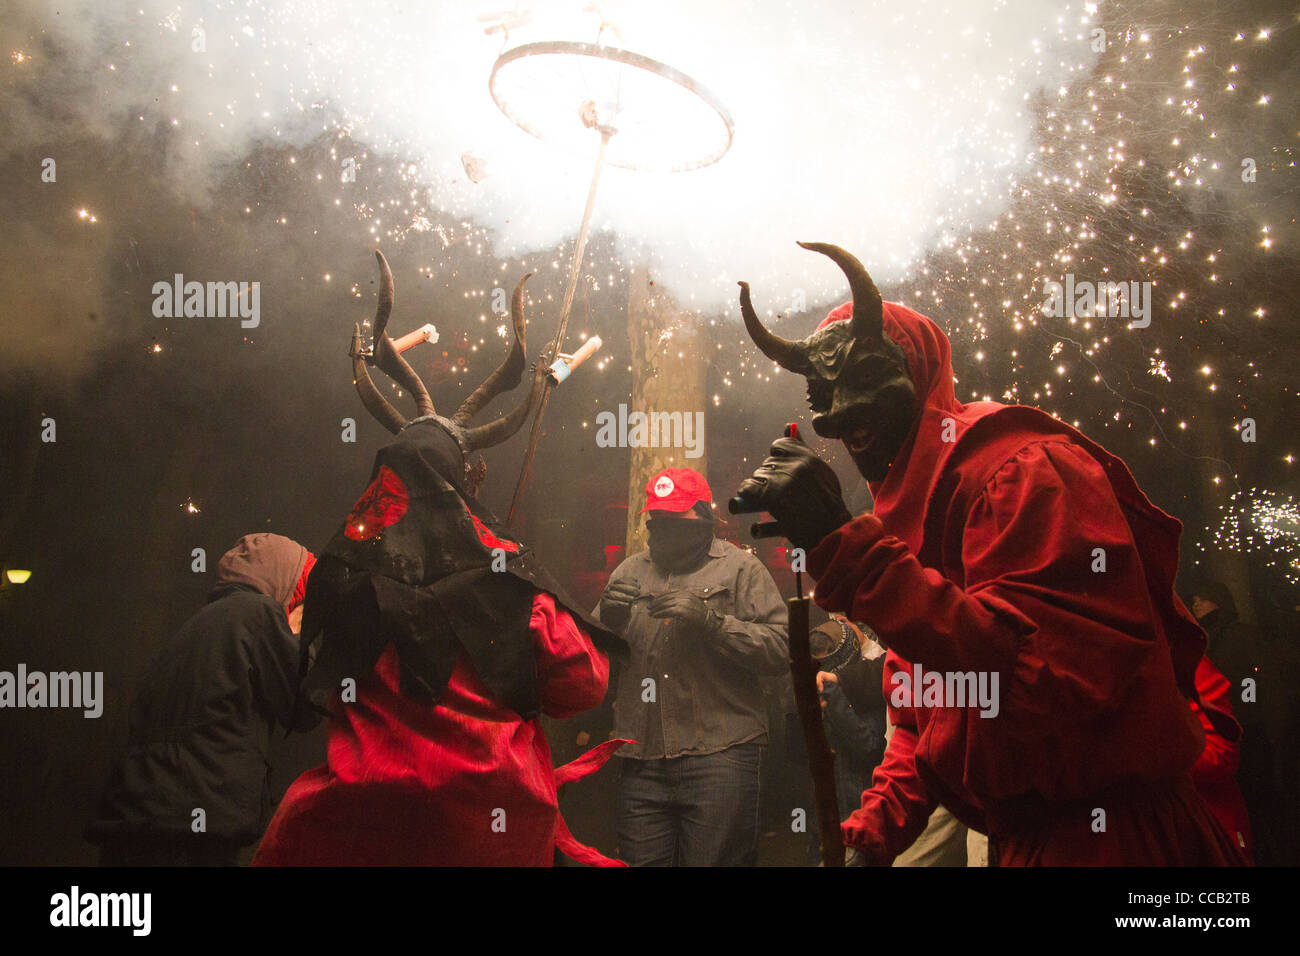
1001,541
441,641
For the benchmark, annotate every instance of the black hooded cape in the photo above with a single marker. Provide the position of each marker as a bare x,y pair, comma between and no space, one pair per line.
420,563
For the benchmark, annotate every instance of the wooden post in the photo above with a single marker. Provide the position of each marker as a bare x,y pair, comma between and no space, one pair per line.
667,375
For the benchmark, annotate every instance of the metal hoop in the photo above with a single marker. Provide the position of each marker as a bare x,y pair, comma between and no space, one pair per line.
626,58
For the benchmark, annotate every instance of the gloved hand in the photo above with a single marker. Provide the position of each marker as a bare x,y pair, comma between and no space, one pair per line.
686,607
616,604
800,491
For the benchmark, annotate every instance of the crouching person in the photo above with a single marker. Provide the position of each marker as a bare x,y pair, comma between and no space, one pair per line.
192,788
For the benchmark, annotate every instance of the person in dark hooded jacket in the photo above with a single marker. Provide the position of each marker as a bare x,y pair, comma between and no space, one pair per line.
1236,648
192,787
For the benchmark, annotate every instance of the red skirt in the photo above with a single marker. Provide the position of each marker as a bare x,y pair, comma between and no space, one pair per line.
464,783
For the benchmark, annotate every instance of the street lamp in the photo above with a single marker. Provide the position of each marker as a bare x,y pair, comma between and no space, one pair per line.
12,576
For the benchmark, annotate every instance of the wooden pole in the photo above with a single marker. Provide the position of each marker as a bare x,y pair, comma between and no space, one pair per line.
821,761
575,268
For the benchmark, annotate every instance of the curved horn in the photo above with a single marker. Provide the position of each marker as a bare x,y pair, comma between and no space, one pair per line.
387,357
494,433
508,373
375,403
792,356
868,318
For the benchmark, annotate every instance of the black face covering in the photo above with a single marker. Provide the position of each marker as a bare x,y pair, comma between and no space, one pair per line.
439,451
679,544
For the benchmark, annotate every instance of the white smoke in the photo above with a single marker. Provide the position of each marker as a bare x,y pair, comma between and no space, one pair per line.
886,128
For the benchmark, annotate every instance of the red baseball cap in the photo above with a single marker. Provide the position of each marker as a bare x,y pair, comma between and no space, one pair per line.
676,489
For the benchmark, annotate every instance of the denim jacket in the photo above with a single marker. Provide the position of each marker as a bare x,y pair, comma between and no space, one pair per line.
683,692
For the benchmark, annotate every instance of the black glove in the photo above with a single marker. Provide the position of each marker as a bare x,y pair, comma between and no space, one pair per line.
616,604
799,490
686,607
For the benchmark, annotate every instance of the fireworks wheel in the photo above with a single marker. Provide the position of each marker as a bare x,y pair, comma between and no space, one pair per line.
657,118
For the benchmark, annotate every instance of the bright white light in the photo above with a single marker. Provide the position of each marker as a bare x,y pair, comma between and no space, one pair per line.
885,128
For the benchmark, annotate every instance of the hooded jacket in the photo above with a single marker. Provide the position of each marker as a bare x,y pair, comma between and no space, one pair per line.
201,722
1238,651
1003,542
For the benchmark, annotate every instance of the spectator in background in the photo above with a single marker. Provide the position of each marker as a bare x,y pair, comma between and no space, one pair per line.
858,739
1235,647
944,841
1262,678
192,788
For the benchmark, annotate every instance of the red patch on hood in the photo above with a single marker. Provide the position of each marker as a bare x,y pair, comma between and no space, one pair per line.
381,505
489,539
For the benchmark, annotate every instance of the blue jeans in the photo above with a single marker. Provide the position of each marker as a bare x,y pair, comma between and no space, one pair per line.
691,811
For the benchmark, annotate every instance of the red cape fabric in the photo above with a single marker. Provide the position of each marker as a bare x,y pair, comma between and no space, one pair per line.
1215,771
466,782
980,557
300,589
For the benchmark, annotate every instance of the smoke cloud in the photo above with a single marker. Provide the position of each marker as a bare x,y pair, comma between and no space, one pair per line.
884,128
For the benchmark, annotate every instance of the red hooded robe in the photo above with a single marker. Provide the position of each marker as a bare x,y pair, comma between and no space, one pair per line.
980,556
1215,772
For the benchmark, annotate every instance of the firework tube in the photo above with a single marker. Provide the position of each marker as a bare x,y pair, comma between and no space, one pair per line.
563,365
425,333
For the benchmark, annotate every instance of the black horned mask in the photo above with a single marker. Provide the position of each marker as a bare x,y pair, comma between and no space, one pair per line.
859,388
469,438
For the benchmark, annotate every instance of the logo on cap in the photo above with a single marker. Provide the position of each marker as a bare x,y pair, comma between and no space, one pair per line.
664,486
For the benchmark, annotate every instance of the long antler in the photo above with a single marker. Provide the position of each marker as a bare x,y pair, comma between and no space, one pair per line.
508,373
868,321
506,376
386,356
376,404
388,359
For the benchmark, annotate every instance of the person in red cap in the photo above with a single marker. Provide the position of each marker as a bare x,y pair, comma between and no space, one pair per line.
702,619
192,787
1004,548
